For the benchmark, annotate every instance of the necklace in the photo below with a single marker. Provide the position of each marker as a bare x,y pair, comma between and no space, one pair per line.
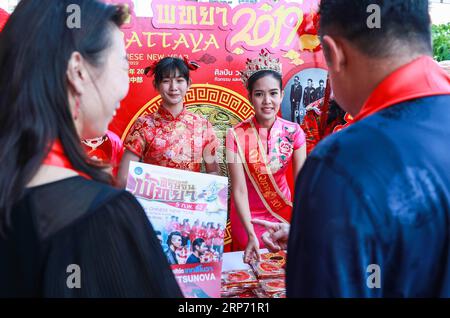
94,143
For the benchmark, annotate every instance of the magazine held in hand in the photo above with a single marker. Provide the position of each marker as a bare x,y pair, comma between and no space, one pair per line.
188,212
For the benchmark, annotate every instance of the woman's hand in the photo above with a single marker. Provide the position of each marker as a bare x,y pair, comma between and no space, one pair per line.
251,253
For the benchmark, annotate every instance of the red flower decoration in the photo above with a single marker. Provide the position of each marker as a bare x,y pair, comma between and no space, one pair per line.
150,70
193,66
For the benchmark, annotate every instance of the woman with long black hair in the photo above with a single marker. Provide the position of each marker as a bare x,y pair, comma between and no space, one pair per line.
64,232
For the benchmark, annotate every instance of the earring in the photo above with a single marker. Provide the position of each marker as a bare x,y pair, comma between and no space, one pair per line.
77,108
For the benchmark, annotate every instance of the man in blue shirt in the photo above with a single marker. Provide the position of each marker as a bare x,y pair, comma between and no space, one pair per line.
372,204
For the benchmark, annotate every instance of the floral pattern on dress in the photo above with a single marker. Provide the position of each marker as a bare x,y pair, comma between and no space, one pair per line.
285,137
163,140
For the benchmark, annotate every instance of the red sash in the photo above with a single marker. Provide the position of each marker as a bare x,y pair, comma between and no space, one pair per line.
253,156
57,158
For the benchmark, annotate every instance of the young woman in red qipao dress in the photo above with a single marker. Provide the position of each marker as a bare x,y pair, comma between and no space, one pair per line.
259,151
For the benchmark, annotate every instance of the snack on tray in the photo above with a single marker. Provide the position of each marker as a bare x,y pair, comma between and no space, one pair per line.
274,285
260,293
239,278
268,269
245,294
278,258
281,294
232,291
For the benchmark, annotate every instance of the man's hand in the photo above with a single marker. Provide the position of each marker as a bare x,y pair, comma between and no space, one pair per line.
276,236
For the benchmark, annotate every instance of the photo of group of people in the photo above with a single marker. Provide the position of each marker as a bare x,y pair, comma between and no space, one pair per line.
187,241
303,88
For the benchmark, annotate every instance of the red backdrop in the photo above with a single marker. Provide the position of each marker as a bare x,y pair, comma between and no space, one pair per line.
220,38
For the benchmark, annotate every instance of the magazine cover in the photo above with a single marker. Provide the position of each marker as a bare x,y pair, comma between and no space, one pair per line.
188,211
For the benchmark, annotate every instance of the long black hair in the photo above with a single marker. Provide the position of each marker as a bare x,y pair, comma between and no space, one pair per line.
35,47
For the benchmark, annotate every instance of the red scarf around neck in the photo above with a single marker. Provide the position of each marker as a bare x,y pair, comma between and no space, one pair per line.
57,158
420,78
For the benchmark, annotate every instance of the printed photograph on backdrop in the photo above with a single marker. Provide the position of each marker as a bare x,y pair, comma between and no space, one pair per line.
302,89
